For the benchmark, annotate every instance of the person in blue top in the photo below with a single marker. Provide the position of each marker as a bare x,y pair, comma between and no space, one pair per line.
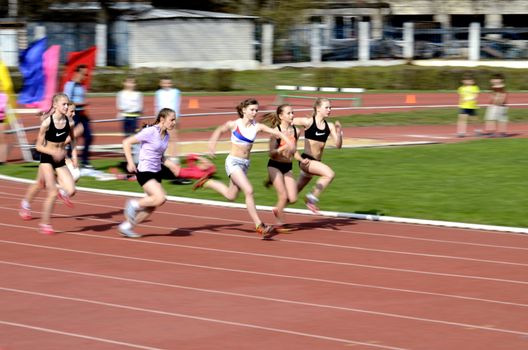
77,94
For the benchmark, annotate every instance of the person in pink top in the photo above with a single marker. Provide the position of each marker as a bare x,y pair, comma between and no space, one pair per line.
153,140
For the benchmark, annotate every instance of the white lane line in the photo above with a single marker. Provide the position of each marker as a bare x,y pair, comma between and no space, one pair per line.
11,195
252,296
161,312
436,256
429,137
331,214
216,268
277,257
76,335
207,319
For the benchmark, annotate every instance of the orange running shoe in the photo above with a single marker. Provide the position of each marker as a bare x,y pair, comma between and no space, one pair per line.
266,231
200,182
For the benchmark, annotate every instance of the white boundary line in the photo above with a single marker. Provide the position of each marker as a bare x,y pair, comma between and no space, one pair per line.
235,323
76,335
334,214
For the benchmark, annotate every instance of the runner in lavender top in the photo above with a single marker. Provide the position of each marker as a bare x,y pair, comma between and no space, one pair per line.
154,140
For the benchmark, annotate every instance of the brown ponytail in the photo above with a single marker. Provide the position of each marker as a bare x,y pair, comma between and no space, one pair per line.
272,119
163,113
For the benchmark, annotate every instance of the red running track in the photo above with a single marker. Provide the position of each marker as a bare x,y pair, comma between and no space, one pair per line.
203,280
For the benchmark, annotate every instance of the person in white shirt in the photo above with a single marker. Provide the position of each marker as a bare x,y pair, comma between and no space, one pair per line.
169,97
129,103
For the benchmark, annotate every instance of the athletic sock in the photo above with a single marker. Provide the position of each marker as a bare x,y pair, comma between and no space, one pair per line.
312,198
25,204
125,225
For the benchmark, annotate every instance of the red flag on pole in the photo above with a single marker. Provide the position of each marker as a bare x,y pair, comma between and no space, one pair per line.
86,57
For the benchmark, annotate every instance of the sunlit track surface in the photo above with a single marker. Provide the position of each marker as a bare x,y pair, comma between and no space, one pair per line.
202,279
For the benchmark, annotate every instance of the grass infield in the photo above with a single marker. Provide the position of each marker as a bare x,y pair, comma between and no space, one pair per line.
482,181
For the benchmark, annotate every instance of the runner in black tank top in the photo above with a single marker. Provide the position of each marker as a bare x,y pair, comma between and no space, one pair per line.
313,133
315,136
51,143
57,136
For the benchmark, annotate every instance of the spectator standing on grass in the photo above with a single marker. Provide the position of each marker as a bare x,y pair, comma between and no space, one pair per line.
468,95
243,132
280,163
169,97
56,130
496,113
75,90
316,132
129,103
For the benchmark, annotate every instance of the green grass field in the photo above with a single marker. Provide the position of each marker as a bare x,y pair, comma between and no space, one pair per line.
482,181
439,116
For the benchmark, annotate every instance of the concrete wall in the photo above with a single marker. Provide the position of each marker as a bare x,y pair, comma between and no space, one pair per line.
198,43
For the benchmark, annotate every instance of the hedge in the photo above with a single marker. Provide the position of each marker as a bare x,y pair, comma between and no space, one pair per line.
403,77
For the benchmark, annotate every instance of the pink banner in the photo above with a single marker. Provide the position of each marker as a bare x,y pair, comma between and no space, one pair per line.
51,69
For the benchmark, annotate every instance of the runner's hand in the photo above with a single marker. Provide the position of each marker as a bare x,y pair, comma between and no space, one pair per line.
131,167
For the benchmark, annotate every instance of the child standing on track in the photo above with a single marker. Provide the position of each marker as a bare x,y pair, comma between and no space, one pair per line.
468,94
243,133
154,140
496,116
53,136
280,162
316,132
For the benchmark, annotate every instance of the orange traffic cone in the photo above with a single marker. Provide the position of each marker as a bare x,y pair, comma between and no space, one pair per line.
193,103
410,99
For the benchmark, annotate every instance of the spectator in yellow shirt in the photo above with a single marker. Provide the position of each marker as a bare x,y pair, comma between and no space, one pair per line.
468,94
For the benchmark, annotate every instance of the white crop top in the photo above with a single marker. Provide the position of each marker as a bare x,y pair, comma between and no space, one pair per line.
243,135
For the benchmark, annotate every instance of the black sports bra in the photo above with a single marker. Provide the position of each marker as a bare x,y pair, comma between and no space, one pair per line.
313,133
57,135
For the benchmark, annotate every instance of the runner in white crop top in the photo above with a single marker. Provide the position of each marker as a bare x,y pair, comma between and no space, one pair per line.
244,135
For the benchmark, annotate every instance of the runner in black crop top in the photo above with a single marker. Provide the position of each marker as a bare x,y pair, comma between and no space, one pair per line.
57,135
313,133
53,174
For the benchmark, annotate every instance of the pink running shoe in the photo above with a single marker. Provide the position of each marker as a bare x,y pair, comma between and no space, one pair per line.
25,213
46,229
66,199
313,207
